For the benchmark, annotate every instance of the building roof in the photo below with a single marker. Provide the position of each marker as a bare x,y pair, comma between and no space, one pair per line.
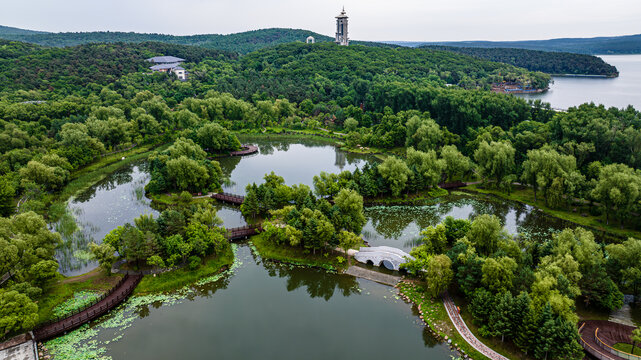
165,59
342,15
165,66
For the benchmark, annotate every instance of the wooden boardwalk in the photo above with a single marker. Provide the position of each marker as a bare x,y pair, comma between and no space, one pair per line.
246,150
228,198
110,300
243,232
372,275
598,336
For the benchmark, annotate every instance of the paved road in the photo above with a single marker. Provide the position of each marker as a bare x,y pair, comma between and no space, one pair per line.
458,322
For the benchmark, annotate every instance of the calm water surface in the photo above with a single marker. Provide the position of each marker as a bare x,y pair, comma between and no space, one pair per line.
271,311
618,92
297,162
397,226
120,197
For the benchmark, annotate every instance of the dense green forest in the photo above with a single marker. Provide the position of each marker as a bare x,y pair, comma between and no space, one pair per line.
320,72
534,60
323,71
243,43
85,68
96,99
613,45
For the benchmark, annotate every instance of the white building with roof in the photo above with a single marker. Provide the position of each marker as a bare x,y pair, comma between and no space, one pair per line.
165,59
170,65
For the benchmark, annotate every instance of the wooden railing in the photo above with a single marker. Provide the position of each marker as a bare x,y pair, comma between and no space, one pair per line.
613,351
89,312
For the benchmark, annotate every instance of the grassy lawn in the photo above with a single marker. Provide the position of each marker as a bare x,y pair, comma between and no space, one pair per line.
62,289
628,348
163,201
296,256
421,198
178,278
435,315
285,132
91,174
596,223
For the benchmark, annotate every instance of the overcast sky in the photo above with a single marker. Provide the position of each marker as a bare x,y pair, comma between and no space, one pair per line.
411,20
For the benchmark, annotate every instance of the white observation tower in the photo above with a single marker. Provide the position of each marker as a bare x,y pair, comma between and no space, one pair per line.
341,29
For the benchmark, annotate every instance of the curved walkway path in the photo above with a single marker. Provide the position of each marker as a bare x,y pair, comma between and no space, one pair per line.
458,322
598,337
110,300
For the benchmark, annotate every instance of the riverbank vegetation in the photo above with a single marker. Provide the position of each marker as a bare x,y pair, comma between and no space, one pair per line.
176,279
522,291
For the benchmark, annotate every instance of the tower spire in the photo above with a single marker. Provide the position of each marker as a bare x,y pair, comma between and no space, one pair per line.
341,28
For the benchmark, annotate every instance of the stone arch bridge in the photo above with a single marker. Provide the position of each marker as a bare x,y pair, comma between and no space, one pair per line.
383,256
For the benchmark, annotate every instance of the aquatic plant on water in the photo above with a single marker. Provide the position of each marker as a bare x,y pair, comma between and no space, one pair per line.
79,300
81,344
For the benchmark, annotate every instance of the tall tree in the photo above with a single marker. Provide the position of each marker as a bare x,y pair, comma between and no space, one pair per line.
495,160
618,189
17,312
7,193
396,173
438,275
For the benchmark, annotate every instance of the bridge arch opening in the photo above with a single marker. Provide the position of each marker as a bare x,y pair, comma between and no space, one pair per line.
370,262
387,264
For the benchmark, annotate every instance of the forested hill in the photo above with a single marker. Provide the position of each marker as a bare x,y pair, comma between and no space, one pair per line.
628,44
324,71
535,60
14,49
7,30
72,69
242,43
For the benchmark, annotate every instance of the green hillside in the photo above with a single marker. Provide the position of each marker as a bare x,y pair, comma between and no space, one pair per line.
545,61
243,43
324,71
627,44
8,30
80,69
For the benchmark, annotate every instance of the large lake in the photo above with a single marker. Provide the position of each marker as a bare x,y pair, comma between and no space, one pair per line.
619,92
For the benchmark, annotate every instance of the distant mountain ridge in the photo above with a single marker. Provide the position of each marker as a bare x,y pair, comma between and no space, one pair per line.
243,43
249,41
610,45
8,30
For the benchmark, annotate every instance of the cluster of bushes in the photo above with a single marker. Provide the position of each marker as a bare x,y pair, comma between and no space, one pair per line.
183,166
27,249
297,218
182,235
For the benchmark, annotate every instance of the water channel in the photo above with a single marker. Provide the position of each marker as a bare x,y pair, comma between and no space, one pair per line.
262,309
